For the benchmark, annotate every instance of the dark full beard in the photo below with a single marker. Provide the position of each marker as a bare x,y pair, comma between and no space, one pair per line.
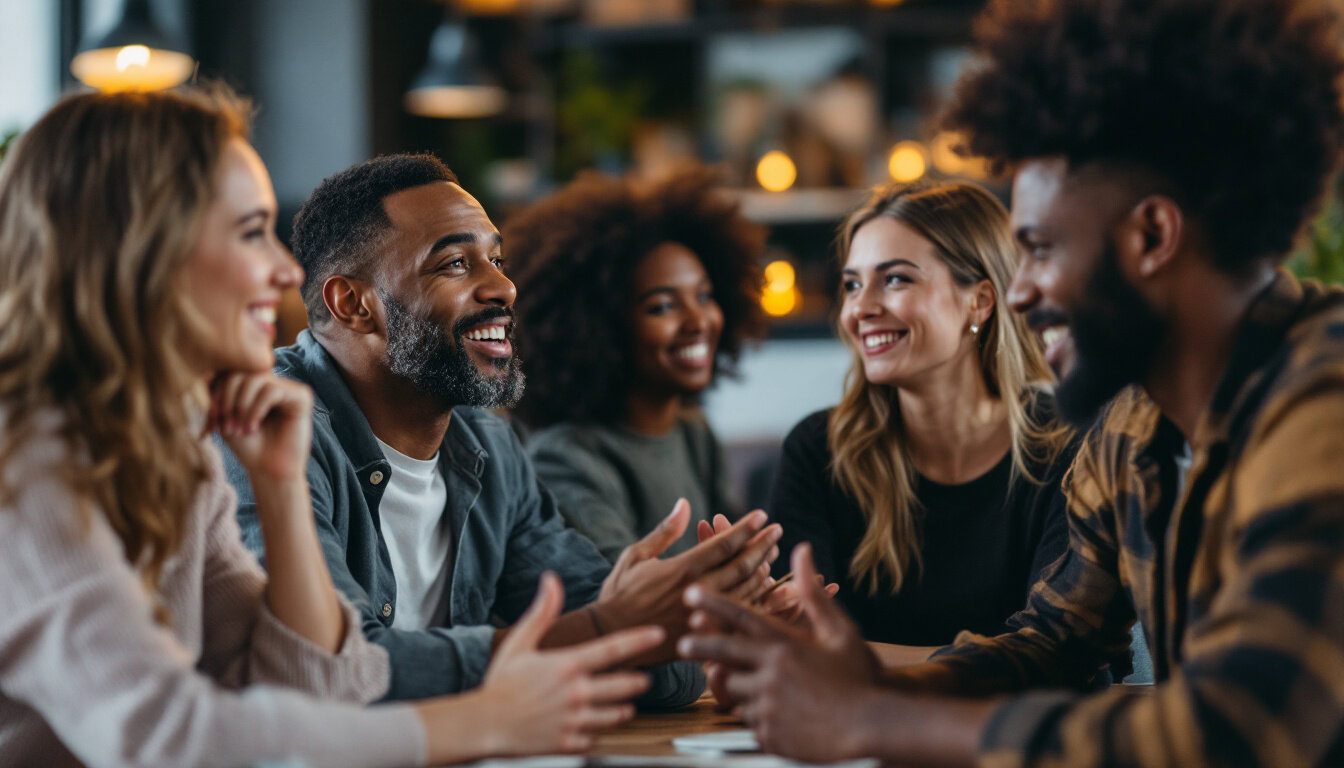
1115,337
419,351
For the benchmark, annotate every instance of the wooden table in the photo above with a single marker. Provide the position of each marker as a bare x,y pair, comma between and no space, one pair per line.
652,734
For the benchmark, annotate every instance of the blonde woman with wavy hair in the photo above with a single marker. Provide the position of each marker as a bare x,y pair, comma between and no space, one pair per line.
931,492
139,278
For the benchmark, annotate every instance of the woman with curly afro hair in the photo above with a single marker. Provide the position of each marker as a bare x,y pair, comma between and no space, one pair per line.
632,298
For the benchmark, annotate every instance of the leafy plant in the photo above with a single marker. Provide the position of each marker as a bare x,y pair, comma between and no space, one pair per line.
6,141
596,119
1321,254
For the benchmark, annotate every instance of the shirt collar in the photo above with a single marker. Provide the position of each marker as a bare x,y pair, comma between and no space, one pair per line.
308,361
1259,336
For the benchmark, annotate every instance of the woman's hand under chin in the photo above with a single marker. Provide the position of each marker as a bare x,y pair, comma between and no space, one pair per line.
266,421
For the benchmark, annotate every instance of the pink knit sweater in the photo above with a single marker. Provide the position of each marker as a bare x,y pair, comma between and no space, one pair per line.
87,676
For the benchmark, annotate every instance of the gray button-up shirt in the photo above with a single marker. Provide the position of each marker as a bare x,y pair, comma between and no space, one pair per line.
506,529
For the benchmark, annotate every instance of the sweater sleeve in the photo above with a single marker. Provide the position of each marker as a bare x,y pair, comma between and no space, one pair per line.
79,646
248,644
798,500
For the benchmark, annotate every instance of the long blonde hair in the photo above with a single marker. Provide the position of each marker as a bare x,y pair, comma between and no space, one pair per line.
101,204
968,228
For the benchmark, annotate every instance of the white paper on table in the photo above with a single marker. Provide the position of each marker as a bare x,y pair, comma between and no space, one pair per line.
706,760
717,742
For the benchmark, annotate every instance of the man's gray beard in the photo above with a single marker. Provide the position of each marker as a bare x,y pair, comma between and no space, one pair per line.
419,351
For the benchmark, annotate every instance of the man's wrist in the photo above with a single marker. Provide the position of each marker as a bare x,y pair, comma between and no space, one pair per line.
870,715
598,628
902,726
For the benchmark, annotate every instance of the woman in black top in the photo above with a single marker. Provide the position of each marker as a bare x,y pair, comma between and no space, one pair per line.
931,493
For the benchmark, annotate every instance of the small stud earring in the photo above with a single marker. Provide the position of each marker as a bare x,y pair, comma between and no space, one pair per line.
975,328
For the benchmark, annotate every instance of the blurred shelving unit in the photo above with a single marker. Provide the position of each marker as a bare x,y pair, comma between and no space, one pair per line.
801,206
641,85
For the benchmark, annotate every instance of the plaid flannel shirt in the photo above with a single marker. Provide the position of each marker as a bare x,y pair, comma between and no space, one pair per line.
1237,573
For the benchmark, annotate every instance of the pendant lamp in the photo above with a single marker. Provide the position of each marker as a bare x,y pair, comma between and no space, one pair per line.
135,55
453,83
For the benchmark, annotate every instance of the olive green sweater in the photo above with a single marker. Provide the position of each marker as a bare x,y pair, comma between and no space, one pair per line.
614,485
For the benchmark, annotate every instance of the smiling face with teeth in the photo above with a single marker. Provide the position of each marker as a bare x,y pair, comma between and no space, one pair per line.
903,310
1100,334
447,305
239,269
676,322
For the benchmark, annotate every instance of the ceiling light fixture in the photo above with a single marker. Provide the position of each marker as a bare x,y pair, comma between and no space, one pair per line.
135,55
453,83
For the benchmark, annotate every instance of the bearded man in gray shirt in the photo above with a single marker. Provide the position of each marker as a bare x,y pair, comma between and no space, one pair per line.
430,515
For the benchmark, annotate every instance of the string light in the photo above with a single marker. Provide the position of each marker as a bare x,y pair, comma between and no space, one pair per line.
780,295
907,162
776,171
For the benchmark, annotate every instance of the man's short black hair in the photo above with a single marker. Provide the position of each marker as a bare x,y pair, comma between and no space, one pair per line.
1235,104
337,228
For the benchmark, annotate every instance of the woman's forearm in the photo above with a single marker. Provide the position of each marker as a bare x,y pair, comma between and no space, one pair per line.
299,591
893,656
458,728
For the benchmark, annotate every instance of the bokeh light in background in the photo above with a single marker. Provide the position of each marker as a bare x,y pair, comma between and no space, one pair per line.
946,159
776,171
906,162
780,295
488,7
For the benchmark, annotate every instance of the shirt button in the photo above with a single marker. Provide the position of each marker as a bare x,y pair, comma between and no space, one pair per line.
387,609
376,477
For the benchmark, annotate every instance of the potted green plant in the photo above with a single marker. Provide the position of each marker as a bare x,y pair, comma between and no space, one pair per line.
1321,254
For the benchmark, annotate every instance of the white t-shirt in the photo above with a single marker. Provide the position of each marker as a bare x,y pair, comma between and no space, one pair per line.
419,538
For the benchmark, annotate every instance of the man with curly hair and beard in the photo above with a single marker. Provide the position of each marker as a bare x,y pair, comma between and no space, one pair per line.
430,515
660,282
1165,155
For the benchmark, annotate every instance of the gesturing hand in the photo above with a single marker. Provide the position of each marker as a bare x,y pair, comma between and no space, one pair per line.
642,589
781,601
553,701
798,690
267,422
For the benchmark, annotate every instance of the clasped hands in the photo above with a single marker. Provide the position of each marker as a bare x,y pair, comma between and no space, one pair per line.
801,686
643,589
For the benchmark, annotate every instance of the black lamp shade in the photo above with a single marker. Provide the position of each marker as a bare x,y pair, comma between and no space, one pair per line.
453,83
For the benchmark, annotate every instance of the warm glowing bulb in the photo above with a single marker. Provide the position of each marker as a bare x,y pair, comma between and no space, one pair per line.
907,161
776,171
779,276
132,56
132,68
489,7
945,157
780,303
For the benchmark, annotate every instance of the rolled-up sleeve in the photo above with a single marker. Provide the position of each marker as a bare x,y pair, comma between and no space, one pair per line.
1261,681
1077,615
